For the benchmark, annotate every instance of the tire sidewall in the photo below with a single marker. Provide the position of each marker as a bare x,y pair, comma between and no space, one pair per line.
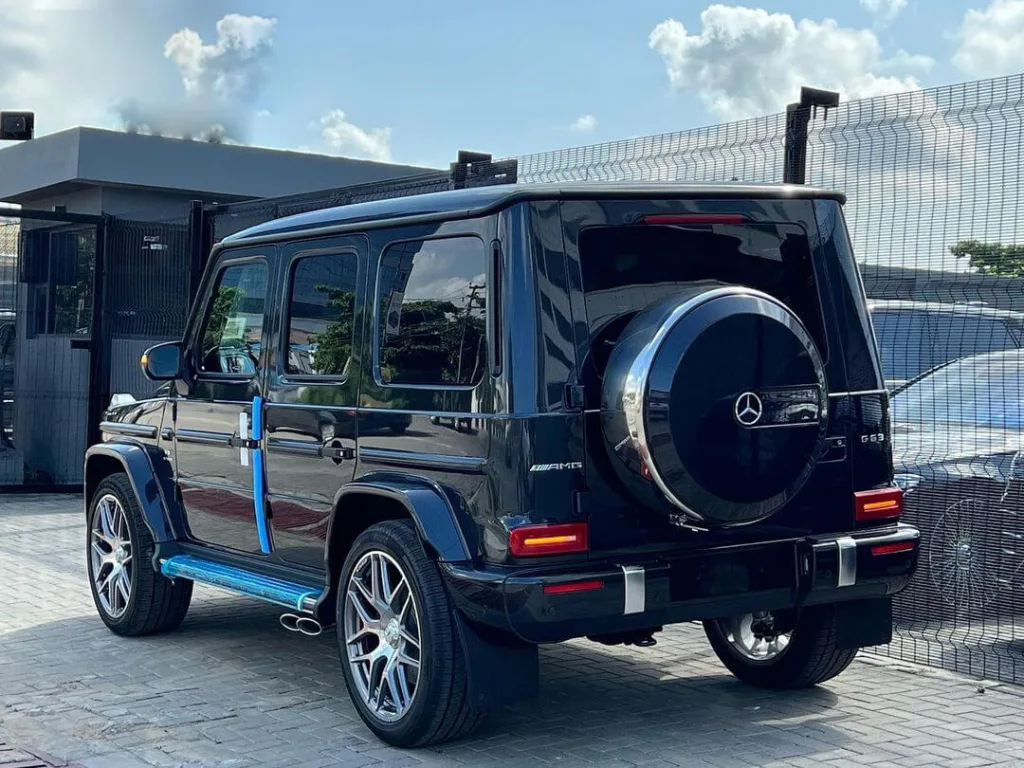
114,486
433,657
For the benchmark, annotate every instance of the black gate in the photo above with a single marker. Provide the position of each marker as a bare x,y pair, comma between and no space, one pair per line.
49,281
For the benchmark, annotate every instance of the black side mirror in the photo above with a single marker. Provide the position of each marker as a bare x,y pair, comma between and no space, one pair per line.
163,362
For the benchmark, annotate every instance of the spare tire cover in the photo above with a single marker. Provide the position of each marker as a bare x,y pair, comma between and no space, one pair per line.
718,397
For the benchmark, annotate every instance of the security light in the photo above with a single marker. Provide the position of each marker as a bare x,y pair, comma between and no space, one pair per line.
17,126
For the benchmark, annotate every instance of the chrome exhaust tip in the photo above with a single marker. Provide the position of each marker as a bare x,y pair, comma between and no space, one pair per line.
308,626
290,622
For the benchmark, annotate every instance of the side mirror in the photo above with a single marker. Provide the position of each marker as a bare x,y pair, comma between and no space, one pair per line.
162,362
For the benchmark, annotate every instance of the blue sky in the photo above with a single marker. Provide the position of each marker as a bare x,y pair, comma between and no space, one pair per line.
417,81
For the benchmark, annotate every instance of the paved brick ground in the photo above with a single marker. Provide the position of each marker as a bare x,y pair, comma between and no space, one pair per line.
232,688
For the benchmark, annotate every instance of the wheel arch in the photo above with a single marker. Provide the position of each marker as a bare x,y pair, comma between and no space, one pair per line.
134,460
374,499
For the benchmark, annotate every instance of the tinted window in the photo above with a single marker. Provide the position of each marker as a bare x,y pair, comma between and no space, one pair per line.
321,315
233,327
958,335
986,391
432,307
627,268
902,342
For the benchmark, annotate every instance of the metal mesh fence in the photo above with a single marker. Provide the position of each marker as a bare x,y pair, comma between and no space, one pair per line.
935,215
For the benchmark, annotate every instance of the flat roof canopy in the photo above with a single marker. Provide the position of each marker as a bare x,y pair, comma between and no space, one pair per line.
81,158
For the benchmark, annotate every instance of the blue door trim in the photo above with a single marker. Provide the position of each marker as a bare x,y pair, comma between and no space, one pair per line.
258,485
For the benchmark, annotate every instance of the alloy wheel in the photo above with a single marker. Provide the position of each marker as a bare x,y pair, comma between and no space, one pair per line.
752,636
382,635
110,551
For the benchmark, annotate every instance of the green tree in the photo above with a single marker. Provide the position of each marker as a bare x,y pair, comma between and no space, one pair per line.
991,258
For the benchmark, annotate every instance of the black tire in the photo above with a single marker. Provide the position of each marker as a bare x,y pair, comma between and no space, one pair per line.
155,604
440,710
811,657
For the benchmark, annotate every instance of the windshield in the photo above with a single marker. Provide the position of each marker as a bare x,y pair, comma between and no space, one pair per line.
987,390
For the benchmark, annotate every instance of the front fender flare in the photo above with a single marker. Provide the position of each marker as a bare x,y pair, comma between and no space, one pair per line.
137,464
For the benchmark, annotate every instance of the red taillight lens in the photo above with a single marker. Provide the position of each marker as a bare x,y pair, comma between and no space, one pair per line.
572,586
694,218
884,504
893,549
562,539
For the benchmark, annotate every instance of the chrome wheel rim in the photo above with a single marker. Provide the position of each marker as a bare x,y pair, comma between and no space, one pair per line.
110,551
382,636
750,637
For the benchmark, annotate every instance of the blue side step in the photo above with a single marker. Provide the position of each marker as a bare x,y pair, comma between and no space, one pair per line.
238,580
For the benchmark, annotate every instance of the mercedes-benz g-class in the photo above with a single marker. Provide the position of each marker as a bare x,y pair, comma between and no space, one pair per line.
460,425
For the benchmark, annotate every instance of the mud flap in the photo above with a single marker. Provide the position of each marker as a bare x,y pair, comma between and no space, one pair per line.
501,670
864,623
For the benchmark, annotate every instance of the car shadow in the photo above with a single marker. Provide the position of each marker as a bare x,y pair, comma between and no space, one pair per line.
233,663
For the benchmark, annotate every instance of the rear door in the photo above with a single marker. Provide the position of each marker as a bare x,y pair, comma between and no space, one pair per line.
313,388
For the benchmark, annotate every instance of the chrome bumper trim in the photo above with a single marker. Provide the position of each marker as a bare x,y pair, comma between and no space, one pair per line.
635,583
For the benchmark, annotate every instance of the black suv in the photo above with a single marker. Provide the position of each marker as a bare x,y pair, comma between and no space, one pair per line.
460,425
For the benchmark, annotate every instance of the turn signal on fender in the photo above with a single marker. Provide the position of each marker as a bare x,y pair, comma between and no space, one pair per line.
558,539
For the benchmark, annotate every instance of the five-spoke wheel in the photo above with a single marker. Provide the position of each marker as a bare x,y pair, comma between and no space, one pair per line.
110,548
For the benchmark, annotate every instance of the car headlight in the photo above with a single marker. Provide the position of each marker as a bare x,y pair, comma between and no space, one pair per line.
907,481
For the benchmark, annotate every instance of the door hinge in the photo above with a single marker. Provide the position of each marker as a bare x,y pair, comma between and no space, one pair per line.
573,397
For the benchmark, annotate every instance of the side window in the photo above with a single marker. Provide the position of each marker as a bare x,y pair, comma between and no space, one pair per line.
432,304
902,342
958,335
321,315
233,327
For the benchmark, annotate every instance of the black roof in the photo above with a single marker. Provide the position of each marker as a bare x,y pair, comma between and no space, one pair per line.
479,201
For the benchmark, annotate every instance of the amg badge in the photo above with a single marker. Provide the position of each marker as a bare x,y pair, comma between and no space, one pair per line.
551,467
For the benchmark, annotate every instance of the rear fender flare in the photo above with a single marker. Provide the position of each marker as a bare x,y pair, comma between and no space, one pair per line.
423,501
138,464
428,507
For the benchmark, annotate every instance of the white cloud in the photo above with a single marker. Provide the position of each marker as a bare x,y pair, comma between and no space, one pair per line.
344,137
231,69
100,63
992,40
887,10
746,61
584,124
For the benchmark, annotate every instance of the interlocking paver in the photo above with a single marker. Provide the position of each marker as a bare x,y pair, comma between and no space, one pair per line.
232,689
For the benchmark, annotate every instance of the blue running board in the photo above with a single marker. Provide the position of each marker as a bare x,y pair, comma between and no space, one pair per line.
298,597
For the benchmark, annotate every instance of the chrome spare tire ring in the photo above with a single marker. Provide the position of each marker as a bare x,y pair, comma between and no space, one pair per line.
382,636
110,552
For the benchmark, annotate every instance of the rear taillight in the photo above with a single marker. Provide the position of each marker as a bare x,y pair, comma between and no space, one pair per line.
874,506
558,539
694,218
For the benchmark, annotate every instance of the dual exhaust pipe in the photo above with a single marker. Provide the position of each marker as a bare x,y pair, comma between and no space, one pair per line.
307,625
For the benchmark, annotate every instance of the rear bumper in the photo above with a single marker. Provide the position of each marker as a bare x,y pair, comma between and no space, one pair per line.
673,587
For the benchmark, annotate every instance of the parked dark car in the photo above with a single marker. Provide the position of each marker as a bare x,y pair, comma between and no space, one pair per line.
671,409
916,336
957,439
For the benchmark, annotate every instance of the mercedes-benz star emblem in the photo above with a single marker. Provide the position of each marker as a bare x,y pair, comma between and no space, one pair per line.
748,409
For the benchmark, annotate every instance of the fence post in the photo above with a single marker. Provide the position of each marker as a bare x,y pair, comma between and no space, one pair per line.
798,120
99,335
198,246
